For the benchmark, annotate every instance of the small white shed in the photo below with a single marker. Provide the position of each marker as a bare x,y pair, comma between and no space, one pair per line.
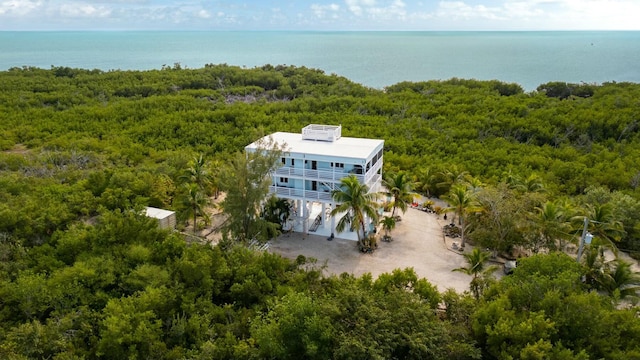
166,218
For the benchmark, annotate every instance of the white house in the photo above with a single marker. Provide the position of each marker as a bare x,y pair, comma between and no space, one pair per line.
312,167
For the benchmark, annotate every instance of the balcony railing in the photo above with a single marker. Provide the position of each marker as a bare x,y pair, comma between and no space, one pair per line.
309,174
373,172
299,193
369,178
322,132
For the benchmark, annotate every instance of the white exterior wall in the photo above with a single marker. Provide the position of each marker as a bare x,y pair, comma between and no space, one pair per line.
299,172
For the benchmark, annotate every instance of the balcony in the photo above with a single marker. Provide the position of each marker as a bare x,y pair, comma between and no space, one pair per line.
372,174
299,193
308,174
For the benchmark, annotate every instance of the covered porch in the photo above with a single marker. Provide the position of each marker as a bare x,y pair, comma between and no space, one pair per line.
319,221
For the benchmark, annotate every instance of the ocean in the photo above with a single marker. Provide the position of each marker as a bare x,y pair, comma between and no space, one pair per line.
374,59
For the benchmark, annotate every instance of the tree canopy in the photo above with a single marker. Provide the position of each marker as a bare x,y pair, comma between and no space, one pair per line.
84,275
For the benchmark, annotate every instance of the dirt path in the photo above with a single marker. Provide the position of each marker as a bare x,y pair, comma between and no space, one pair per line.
418,243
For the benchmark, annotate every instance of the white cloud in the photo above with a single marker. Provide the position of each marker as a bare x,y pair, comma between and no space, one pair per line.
19,7
462,10
321,11
75,10
523,9
602,14
203,14
323,14
356,6
394,9
540,14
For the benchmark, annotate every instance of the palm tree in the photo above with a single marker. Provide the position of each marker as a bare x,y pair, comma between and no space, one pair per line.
621,281
476,268
533,183
553,224
354,199
195,202
594,263
450,177
462,202
474,184
198,173
400,187
427,182
388,223
603,225
276,210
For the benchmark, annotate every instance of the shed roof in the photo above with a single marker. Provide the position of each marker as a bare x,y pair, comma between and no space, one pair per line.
158,213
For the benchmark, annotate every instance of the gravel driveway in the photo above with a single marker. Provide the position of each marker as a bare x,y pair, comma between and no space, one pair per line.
418,243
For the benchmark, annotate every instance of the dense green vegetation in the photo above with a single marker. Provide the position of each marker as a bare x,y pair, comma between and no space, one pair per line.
82,275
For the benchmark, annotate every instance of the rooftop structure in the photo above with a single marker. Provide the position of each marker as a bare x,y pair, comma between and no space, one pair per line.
322,132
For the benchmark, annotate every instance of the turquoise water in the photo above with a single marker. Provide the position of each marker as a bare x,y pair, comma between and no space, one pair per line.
375,59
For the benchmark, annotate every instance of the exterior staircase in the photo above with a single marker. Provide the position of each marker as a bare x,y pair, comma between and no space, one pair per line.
316,223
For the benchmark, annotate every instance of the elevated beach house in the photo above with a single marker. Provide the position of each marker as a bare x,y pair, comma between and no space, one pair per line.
315,161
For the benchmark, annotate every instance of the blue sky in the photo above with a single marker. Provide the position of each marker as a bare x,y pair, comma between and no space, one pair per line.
441,15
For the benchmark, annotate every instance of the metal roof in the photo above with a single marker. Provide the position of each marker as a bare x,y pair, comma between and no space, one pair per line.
158,213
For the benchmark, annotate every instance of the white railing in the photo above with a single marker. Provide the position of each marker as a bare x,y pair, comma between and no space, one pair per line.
299,193
309,174
322,132
373,172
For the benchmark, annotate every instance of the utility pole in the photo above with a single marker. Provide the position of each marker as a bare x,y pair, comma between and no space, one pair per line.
584,239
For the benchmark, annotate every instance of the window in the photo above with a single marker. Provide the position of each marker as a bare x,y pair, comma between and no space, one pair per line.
284,161
338,165
284,180
293,162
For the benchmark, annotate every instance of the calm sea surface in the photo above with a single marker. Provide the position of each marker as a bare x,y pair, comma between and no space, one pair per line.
375,59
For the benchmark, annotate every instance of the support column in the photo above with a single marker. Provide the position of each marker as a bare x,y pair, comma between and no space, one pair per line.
305,217
298,214
323,214
333,220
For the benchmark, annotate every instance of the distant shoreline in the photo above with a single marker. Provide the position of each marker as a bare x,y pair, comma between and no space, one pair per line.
374,59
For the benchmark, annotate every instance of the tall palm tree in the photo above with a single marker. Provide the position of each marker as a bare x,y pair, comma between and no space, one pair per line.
400,187
354,199
198,173
476,267
195,202
462,202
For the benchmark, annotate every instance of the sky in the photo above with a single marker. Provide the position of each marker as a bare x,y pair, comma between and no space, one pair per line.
320,15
